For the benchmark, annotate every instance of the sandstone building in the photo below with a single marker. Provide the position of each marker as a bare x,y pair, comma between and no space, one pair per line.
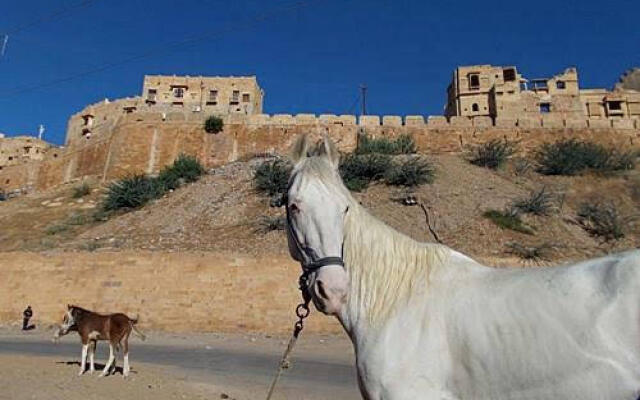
212,95
503,93
21,149
164,95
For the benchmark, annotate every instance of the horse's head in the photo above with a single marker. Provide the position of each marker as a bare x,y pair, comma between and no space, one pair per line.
317,203
68,322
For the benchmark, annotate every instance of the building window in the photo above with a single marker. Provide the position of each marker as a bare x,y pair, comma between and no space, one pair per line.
509,74
88,120
615,105
151,95
474,107
545,107
245,97
178,92
213,97
235,97
177,104
474,81
561,85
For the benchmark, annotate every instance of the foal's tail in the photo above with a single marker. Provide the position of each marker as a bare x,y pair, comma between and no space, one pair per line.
133,322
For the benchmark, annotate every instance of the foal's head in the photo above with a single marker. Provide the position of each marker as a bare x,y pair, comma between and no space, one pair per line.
317,203
69,321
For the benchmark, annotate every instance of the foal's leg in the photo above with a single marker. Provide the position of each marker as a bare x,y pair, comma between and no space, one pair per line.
107,367
83,360
125,351
92,353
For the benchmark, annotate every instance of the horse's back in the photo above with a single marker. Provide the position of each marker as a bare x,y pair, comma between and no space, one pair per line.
549,330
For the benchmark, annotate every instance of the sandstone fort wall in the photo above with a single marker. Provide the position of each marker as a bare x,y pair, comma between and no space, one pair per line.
170,291
144,142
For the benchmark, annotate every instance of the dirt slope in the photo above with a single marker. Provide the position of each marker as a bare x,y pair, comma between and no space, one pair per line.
223,212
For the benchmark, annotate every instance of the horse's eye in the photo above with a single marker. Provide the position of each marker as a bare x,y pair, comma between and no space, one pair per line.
293,208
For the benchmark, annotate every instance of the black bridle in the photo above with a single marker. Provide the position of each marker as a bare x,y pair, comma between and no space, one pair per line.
308,267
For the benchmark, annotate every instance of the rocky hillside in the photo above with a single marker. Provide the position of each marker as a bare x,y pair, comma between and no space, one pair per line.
224,212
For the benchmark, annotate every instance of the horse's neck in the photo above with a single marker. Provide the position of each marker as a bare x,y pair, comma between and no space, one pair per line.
386,269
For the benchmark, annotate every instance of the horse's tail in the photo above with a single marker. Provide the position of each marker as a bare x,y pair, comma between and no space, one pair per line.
133,322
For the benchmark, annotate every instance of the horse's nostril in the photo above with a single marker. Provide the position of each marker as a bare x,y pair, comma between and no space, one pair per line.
321,290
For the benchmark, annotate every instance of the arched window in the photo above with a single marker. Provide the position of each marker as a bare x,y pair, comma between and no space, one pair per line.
475,107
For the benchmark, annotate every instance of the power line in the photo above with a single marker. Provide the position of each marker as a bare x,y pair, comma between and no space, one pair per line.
275,12
48,17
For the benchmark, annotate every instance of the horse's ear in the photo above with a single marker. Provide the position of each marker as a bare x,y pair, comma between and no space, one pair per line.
68,306
300,148
331,151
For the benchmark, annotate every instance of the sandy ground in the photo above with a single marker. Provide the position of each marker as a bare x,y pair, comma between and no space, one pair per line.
185,366
52,378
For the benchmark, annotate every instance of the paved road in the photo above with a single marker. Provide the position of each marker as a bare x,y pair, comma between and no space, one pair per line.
321,368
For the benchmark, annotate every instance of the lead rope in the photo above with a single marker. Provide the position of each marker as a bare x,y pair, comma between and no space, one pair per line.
302,312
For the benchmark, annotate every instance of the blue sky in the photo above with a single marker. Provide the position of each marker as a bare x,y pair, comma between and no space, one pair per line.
310,58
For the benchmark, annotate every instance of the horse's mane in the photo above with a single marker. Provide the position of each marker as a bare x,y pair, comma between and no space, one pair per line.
80,308
385,267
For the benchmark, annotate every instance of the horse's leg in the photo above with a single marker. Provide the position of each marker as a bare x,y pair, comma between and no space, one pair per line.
107,367
125,351
83,359
92,353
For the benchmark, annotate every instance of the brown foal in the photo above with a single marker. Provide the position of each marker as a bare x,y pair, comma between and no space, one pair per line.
91,326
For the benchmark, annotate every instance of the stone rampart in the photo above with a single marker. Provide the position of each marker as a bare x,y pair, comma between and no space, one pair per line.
145,141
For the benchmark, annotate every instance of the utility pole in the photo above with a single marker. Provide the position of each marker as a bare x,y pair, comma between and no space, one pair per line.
363,96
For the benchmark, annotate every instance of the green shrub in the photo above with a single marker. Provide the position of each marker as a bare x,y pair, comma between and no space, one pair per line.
272,177
403,144
56,228
539,202
77,219
602,219
185,169
81,190
571,157
508,220
268,224
492,154
137,190
522,166
532,252
213,124
101,215
358,171
412,172
132,192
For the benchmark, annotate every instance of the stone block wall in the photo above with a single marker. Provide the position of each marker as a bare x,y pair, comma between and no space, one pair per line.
206,292
144,142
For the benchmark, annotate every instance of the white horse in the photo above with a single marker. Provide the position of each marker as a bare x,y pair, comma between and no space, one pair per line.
428,322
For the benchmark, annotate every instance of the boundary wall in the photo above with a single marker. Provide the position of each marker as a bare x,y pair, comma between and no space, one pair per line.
144,142
198,292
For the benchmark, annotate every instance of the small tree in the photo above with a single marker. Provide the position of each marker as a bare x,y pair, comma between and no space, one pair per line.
213,124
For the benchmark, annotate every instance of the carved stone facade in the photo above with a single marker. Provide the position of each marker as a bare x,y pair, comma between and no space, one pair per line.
183,97
213,95
21,149
503,93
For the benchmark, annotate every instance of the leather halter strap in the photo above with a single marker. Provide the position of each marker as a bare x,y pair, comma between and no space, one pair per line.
313,265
